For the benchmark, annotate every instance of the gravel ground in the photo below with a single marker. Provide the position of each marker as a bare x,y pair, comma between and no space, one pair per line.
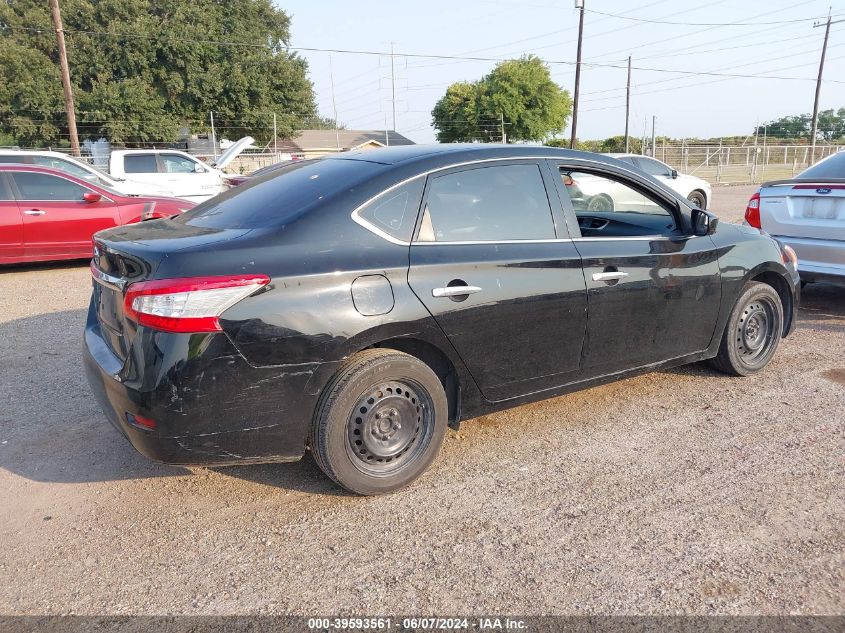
681,491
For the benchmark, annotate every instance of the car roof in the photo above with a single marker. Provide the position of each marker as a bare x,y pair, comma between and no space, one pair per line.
149,151
459,152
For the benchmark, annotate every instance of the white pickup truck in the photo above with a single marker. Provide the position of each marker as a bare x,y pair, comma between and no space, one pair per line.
185,176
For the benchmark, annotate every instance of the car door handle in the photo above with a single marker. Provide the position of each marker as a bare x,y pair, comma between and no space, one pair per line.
455,291
615,275
34,212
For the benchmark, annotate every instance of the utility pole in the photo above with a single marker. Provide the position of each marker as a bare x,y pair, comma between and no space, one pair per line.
334,106
66,87
819,86
393,85
653,138
627,103
579,4
275,136
213,136
502,121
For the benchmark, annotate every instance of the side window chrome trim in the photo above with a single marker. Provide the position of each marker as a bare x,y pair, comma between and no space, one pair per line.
356,213
374,229
635,238
470,243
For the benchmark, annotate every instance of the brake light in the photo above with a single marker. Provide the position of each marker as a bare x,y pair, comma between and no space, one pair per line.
186,305
752,211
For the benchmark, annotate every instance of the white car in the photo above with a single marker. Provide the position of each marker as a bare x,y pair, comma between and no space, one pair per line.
807,213
81,169
692,188
185,175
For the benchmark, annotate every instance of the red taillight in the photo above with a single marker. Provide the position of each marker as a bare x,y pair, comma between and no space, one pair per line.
752,211
190,304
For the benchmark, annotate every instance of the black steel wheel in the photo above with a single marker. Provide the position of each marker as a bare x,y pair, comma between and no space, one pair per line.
753,331
698,199
380,422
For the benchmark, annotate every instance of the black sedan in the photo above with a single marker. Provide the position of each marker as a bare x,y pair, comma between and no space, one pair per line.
358,305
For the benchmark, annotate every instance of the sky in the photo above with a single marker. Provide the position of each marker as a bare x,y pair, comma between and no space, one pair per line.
775,38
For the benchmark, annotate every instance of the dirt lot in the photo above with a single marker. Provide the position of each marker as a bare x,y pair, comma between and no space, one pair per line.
683,491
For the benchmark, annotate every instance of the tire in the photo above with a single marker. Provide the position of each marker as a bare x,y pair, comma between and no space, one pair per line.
752,333
698,199
602,203
380,422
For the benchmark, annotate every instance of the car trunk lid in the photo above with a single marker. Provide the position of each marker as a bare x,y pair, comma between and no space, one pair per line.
132,253
808,210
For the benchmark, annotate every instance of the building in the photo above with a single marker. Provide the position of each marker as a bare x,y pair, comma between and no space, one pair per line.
316,143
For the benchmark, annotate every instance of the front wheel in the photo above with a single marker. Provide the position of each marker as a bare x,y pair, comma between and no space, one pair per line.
380,422
753,331
698,199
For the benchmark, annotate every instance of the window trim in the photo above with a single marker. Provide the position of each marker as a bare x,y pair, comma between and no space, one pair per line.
356,213
19,196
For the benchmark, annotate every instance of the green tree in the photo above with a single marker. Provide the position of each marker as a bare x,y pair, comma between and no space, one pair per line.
519,91
143,69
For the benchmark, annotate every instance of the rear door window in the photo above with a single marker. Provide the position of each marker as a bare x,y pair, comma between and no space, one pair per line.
488,204
652,167
44,187
140,164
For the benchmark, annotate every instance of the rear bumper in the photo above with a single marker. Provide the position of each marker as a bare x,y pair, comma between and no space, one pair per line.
210,407
818,260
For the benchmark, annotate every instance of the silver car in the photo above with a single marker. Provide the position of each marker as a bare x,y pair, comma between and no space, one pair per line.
808,214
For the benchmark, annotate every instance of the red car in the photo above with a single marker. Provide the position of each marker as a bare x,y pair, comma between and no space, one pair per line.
47,214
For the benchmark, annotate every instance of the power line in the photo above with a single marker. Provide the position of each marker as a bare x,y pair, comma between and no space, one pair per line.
457,57
657,21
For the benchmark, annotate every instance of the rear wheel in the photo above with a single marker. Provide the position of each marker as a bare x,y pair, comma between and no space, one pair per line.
698,199
380,422
753,331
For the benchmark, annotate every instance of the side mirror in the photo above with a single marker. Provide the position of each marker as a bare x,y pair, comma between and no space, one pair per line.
674,173
199,169
703,223
91,196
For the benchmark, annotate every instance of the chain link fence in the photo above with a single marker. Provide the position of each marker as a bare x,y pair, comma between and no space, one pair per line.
739,164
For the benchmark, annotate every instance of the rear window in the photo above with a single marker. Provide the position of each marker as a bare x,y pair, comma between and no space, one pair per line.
280,196
833,167
140,164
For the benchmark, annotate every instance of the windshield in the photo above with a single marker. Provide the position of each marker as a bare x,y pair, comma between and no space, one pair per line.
281,195
831,167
